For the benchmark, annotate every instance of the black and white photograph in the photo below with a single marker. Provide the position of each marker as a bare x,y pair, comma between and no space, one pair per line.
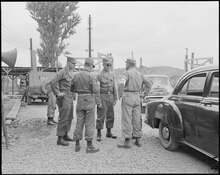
110,87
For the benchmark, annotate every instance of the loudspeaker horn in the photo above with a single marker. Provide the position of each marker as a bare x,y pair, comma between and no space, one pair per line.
10,57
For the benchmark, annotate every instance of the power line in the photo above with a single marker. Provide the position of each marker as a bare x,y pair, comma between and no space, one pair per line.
13,43
12,40
5,33
12,34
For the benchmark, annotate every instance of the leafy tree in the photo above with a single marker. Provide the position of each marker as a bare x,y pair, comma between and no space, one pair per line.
56,22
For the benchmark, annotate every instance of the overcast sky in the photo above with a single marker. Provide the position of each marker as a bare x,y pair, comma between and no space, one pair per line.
157,32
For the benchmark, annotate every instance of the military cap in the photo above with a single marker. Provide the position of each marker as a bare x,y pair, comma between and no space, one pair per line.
106,61
131,60
71,60
89,61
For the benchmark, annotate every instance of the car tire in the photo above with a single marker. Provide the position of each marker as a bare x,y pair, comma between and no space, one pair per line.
165,137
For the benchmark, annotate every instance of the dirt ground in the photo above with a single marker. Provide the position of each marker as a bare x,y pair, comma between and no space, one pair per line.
33,149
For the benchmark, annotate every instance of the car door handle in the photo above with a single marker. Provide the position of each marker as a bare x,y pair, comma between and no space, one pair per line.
206,103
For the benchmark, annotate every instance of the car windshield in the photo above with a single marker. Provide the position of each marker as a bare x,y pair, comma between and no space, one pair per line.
159,80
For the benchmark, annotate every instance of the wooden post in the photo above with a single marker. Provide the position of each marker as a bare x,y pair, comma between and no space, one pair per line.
186,61
12,84
5,133
192,61
7,70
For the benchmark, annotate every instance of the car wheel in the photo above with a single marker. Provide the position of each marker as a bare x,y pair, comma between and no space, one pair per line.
165,137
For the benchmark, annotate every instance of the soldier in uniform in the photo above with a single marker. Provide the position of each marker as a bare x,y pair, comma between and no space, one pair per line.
60,86
130,86
86,86
108,96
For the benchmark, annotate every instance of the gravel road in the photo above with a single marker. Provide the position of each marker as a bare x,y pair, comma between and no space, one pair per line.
33,149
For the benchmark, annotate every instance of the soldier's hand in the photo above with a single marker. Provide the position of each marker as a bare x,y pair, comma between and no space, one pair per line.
114,103
61,94
119,96
99,105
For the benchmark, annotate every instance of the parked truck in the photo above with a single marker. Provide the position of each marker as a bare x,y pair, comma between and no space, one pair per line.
35,82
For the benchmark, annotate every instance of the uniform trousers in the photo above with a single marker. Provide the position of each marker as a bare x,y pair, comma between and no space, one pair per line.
51,105
106,113
65,107
131,115
85,113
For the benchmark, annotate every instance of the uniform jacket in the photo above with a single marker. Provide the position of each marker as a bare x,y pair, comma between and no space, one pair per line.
85,82
107,83
61,81
134,81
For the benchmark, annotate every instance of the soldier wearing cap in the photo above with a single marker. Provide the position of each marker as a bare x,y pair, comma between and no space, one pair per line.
130,86
108,95
86,86
60,85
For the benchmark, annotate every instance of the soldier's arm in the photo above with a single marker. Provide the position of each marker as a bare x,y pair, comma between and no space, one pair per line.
148,84
121,84
73,88
54,82
96,90
114,90
98,77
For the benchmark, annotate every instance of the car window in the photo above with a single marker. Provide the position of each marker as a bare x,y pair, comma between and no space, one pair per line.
160,80
214,90
194,85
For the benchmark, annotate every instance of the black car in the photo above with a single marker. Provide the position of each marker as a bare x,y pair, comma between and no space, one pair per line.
190,114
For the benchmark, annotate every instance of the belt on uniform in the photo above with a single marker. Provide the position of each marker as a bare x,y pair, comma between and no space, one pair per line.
67,92
84,93
130,91
107,92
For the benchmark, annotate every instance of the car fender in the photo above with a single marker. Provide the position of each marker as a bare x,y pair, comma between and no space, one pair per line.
168,112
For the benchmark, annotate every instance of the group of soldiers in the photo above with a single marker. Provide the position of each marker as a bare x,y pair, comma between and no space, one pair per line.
96,90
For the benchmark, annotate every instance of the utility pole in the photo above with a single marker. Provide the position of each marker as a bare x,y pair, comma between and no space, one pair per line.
90,48
132,54
31,53
186,61
192,60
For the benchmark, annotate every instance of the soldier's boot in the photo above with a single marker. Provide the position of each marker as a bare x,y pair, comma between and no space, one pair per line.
99,135
62,142
50,121
126,144
90,148
67,138
110,135
137,142
77,146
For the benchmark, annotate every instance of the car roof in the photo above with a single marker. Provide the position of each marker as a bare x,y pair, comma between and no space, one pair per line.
200,68
203,68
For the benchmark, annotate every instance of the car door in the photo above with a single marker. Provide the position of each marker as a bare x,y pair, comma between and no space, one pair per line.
208,116
188,99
